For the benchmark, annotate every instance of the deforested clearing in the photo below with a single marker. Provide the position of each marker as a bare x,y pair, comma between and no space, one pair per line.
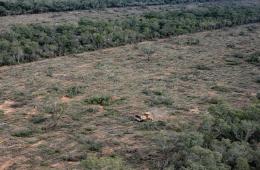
179,100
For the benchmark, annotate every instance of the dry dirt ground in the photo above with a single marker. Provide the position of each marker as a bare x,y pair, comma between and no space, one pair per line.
49,118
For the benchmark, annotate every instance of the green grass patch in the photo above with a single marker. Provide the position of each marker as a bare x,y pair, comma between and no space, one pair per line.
107,163
99,100
38,119
202,67
24,132
220,88
111,112
254,58
152,125
160,101
257,80
74,91
1,114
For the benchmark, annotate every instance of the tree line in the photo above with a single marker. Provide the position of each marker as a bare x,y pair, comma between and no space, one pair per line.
26,43
16,7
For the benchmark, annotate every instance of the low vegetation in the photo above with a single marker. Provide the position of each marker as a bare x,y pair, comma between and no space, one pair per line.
254,58
93,162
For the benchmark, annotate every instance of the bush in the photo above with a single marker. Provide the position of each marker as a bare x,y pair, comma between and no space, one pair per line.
258,95
24,132
56,110
74,91
254,58
161,101
38,119
107,163
93,145
152,125
192,41
257,80
99,100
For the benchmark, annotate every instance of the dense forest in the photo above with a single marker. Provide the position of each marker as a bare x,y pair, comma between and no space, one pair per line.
32,42
15,7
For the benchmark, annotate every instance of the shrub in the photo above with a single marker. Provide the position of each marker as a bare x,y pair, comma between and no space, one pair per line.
38,119
99,100
161,101
254,58
107,163
148,51
49,72
24,132
238,55
202,67
203,158
152,125
258,95
220,88
93,145
257,80
158,98
56,110
192,41
74,91
1,114
242,164
3,11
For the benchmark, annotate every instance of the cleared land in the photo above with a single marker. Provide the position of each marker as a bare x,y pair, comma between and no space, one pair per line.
98,93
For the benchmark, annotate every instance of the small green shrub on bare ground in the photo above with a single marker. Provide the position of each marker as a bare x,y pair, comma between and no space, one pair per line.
1,113
74,91
99,100
202,67
232,61
258,95
220,88
153,125
23,132
105,163
192,41
103,100
148,51
258,79
56,111
158,98
37,119
49,71
227,139
254,58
